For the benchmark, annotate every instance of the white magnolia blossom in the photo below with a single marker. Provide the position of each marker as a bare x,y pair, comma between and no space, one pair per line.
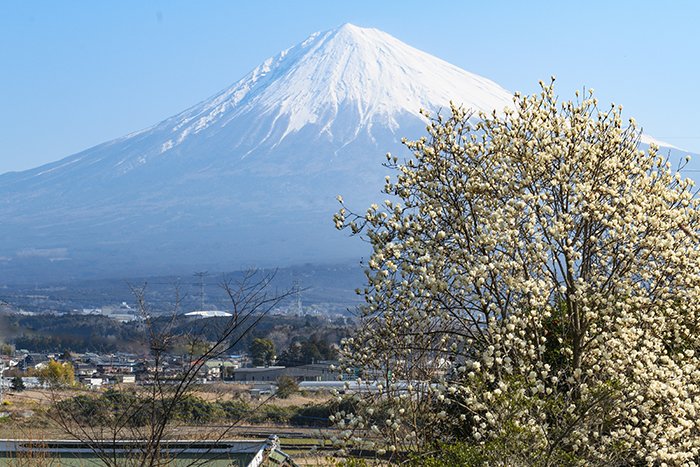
533,292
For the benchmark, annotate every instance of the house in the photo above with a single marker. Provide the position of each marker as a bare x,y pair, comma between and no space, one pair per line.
84,369
219,369
260,373
123,379
322,371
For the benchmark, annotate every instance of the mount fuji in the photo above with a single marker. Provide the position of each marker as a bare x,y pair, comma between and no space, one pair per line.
247,177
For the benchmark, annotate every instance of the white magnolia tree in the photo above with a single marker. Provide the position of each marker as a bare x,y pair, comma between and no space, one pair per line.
532,294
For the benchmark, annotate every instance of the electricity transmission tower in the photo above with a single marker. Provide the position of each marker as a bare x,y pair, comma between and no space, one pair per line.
201,276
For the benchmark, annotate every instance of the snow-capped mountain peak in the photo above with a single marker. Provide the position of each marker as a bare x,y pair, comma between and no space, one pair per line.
247,177
347,69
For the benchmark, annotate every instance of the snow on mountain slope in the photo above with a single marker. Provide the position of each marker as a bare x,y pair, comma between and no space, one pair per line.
646,139
363,69
246,177
335,87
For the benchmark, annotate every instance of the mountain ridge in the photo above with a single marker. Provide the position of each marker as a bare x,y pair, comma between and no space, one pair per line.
246,177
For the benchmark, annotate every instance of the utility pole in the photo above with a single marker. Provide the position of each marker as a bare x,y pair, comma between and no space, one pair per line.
297,293
2,380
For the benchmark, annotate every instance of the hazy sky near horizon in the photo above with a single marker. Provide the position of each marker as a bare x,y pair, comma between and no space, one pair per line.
79,73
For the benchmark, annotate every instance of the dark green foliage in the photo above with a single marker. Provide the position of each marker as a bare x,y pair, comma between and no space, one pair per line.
262,351
108,408
133,410
234,410
95,333
312,415
79,333
86,410
17,384
558,334
195,410
271,414
286,386
128,409
307,350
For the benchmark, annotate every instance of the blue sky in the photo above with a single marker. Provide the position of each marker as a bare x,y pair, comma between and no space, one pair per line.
77,73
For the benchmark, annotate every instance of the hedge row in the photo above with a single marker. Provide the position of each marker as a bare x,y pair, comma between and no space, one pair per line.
117,407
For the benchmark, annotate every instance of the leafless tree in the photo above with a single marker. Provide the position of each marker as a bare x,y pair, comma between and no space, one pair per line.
147,412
